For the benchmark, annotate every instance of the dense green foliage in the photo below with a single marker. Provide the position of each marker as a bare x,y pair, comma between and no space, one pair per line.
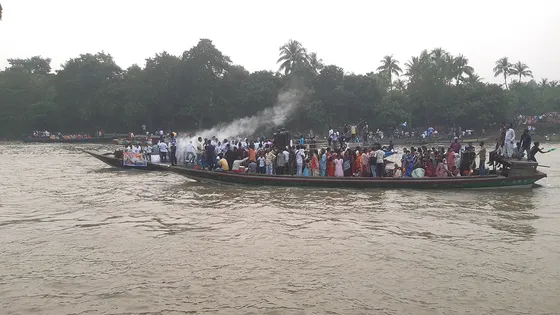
203,87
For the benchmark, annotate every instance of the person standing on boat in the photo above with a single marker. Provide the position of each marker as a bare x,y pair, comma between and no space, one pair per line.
509,142
300,157
163,151
323,163
534,150
482,155
270,157
173,151
210,155
148,152
456,146
525,145
338,163
380,156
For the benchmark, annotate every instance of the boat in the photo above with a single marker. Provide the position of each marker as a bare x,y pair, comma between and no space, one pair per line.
517,174
112,160
104,139
518,177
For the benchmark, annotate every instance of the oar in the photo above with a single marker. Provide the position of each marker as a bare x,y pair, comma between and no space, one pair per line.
550,150
544,166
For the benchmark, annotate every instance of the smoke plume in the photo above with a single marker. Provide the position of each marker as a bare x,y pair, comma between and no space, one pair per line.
277,115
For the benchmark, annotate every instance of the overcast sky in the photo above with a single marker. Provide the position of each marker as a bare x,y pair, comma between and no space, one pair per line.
354,35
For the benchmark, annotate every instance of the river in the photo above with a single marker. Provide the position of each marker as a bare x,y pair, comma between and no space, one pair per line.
78,237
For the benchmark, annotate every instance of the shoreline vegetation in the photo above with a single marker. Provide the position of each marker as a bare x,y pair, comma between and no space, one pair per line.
203,87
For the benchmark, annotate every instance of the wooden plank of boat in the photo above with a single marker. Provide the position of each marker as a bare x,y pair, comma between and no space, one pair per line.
83,140
111,160
492,181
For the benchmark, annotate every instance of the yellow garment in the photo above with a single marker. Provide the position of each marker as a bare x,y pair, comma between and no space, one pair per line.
223,164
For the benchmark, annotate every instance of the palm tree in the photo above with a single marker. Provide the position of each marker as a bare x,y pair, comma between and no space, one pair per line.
473,79
292,56
521,69
544,83
0,12
400,85
413,68
390,66
442,62
315,63
503,67
460,67
553,83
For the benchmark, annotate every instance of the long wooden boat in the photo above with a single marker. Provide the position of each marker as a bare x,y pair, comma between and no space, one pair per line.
110,159
107,139
490,181
520,174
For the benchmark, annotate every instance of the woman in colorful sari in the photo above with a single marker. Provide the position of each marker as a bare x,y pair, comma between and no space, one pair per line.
330,164
358,163
365,164
347,164
451,161
429,167
323,163
410,163
338,169
315,164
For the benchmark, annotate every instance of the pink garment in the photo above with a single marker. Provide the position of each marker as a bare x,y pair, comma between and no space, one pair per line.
441,171
338,171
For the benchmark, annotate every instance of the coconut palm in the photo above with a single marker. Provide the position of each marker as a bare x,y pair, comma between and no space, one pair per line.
414,68
522,70
543,83
292,56
460,66
390,66
553,83
315,63
399,85
503,67
472,79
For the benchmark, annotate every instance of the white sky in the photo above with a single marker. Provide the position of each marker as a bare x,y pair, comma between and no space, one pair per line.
352,34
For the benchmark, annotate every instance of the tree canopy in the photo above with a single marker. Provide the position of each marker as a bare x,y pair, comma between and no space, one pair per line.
203,87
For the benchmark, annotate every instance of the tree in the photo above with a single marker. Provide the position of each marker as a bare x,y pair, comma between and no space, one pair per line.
33,65
503,67
521,69
460,66
315,64
543,83
390,67
292,56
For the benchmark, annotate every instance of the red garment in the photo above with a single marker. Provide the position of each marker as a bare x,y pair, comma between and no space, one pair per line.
330,166
430,170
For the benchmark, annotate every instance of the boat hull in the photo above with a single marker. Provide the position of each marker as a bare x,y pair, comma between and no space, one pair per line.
468,182
87,140
111,160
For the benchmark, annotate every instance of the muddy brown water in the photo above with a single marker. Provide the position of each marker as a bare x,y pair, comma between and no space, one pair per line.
78,237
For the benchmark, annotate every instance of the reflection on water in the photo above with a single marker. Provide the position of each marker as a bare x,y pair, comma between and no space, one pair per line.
80,237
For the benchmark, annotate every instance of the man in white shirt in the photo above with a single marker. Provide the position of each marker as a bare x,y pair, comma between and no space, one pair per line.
148,152
380,166
163,151
300,157
509,142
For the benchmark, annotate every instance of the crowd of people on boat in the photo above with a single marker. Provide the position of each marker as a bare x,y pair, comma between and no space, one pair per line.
338,159
508,147
58,136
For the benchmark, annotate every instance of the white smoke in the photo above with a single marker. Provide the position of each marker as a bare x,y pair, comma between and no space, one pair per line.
277,115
